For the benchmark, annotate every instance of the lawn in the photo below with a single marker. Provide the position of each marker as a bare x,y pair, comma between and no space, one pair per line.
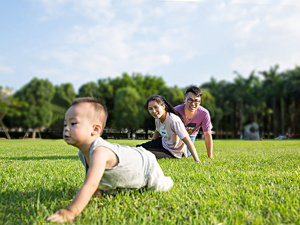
248,182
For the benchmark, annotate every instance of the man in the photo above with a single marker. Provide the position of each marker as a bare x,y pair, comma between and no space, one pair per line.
196,116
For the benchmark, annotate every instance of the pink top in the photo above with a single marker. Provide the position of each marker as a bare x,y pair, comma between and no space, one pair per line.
201,118
172,131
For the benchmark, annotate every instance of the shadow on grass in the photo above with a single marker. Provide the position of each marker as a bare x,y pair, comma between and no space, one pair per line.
36,205
24,158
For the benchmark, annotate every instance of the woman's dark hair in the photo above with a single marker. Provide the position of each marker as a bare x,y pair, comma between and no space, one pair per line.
168,106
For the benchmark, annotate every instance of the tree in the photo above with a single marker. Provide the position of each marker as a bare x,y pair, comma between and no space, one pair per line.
37,93
222,91
61,101
127,109
224,99
292,95
174,95
106,90
273,92
208,102
9,107
89,90
248,103
147,86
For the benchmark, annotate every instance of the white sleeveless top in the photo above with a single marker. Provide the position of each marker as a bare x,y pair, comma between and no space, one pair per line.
137,168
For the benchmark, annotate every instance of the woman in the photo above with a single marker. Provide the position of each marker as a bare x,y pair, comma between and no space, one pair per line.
170,139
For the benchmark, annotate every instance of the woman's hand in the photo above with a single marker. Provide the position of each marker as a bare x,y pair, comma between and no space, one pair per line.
198,161
63,215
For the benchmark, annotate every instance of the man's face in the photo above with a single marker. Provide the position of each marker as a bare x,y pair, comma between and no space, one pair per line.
192,102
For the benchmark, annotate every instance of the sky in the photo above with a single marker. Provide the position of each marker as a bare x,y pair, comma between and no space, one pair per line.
186,42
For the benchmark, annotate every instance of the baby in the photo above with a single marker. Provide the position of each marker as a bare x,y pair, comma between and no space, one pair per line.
108,166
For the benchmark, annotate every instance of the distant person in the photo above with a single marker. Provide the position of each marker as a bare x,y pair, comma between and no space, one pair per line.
109,167
170,139
196,116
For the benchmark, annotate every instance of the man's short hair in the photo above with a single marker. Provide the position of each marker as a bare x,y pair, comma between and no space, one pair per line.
195,90
101,113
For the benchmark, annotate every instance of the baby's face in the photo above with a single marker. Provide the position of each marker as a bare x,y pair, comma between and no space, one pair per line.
78,125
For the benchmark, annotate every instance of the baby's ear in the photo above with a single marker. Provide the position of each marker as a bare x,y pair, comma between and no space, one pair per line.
97,129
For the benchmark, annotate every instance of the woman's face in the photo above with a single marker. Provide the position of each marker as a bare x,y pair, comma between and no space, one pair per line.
156,110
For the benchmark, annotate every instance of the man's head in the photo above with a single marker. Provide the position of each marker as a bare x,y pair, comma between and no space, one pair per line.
84,121
192,98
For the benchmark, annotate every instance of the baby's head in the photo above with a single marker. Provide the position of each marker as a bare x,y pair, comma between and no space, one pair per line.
84,121
98,111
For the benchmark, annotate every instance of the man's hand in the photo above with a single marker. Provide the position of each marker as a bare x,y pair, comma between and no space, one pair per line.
63,215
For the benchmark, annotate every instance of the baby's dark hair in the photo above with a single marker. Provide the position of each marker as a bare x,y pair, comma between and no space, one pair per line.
195,90
101,113
168,106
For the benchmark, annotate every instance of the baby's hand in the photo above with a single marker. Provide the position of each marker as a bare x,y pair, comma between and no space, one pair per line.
63,215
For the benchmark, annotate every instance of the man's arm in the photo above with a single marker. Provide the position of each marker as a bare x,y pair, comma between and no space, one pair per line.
208,144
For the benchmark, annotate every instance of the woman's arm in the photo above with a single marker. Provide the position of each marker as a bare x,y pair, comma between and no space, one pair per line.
191,147
155,135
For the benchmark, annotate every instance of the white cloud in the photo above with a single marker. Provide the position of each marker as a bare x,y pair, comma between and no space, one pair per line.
105,38
108,48
184,1
46,72
227,12
288,26
89,8
6,69
244,64
261,35
94,8
291,61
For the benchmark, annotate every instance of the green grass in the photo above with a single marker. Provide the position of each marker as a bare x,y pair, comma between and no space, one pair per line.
248,182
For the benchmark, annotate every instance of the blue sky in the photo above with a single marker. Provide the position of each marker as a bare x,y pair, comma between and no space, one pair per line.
184,42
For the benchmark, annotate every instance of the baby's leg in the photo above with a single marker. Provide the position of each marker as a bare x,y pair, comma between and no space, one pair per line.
157,180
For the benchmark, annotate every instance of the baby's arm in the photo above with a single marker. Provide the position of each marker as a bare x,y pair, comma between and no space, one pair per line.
101,158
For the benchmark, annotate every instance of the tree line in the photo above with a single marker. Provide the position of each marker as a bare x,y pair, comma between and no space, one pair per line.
269,98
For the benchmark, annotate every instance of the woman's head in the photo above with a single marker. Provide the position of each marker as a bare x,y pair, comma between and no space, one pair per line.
158,106
156,98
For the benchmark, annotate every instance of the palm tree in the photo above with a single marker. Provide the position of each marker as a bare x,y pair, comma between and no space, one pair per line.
247,95
222,92
273,86
292,93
